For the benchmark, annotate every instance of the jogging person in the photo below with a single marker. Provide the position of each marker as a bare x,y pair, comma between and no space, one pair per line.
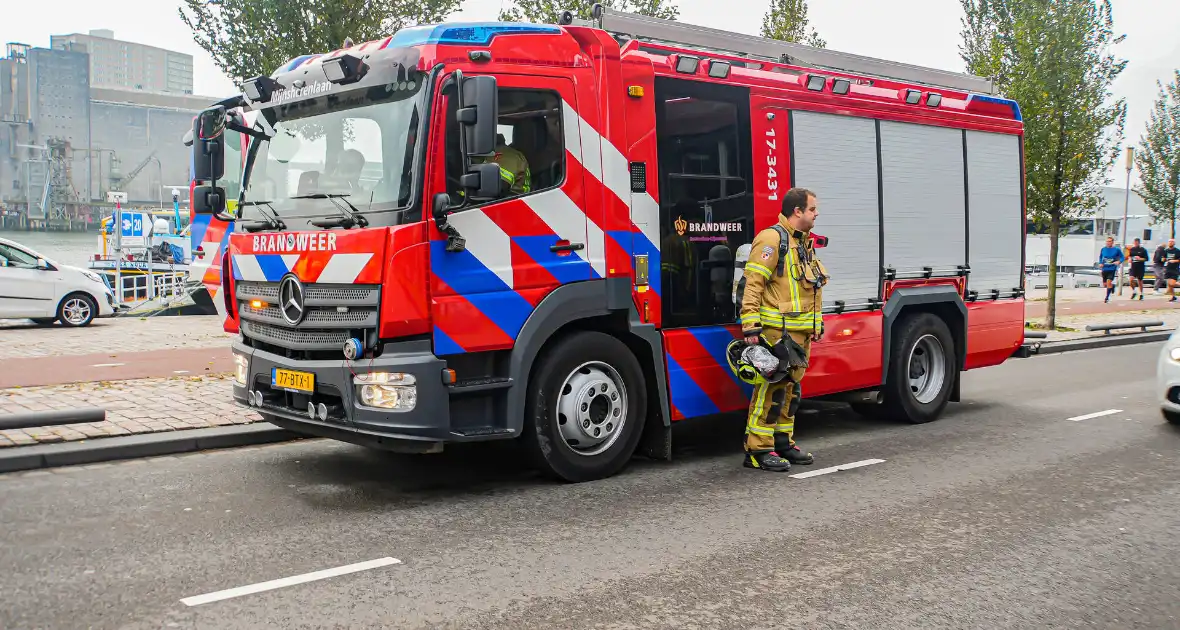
1110,258
1138,257
1172,267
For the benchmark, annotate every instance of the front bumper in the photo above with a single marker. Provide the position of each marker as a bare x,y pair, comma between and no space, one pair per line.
420,429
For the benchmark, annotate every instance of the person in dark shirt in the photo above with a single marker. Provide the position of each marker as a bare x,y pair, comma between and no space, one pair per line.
1172,267
1138,257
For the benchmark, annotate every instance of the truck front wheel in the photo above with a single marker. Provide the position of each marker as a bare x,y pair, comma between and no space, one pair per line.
922,369
586,402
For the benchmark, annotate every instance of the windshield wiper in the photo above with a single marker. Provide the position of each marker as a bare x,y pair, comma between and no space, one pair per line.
271,221
350,217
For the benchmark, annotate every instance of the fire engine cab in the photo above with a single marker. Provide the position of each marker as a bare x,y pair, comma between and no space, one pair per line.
482,231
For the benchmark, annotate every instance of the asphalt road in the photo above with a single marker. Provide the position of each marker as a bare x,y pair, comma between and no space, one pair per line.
1003,514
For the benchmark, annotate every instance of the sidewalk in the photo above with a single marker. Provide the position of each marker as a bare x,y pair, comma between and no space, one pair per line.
133,407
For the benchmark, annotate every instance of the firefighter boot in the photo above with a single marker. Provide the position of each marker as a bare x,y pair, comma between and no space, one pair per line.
766,460
792,452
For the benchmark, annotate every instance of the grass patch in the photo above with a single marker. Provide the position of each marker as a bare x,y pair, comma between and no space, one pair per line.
1040,326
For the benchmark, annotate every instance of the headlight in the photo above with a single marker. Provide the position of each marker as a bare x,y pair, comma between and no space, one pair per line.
93,277
387,390
242,374
1174,354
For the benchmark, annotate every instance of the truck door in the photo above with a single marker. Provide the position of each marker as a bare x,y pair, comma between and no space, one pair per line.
523,245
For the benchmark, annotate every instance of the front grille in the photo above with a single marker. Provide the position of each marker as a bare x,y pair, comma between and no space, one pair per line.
333,314
296,339
315,316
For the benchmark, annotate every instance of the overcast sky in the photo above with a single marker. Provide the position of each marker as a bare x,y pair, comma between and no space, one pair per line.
923,32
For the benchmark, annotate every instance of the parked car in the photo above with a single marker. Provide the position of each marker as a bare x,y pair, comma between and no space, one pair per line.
1168,379
37,288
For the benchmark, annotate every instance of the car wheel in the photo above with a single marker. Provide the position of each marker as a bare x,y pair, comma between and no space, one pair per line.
922,369
77,309
1171,416
586,403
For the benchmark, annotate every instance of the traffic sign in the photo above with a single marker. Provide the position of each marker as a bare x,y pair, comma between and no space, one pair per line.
116,197
133,224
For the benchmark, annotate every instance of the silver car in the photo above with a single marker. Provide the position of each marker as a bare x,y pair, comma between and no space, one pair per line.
1168,379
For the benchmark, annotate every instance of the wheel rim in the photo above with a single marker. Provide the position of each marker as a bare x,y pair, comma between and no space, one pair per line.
76,311
927,369
592,408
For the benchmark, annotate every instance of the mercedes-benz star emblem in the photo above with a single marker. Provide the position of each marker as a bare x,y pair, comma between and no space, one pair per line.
291,300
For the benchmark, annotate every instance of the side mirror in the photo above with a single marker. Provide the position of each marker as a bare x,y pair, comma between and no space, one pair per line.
42,264
209,200
479,111
482,181
208,144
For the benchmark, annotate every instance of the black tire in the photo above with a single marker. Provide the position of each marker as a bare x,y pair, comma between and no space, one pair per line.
44,321
1171,416
543,439
901,402
70,302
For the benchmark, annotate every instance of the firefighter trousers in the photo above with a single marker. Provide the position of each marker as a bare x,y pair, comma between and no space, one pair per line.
771,418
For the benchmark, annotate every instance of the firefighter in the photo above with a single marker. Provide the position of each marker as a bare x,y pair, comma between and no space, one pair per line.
781,306
515,177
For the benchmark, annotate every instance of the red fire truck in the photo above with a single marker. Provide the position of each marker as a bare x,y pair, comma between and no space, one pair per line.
480,231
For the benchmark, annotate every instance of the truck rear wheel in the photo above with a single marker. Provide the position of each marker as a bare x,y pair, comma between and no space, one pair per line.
922,369
586,402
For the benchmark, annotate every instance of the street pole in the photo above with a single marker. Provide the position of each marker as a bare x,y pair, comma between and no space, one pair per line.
1126,205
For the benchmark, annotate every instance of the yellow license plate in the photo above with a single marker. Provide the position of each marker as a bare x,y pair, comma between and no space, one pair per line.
291,380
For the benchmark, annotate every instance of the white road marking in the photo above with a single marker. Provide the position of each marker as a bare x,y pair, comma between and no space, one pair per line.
287,581
108,364
1096,414
180,371
826,471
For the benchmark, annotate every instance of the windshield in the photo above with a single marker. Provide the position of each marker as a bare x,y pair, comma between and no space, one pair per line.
359,145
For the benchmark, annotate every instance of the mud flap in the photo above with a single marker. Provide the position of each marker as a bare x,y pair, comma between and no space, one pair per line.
656,442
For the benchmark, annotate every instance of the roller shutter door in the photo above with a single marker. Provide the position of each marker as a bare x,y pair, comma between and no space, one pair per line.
836,158
924,198
996,217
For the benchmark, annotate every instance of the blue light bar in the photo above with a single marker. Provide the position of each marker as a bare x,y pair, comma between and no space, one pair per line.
466,33
998,101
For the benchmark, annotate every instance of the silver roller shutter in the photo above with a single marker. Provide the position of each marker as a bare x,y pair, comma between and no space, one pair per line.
996,218
925,198
836,158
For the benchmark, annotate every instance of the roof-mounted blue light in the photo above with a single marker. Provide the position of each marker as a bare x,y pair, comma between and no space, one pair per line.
466,33
998,101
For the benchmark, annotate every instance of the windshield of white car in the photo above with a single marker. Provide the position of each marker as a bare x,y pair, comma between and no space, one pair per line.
358,144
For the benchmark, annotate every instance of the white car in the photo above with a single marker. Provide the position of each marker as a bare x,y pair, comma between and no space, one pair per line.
1168,379
37,288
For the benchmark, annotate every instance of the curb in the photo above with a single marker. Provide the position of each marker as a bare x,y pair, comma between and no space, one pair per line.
1105,341
17,458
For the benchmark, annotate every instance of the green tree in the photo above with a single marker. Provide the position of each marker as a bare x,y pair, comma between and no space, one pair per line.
549,11
1158,157
787,20
248,38
1054,58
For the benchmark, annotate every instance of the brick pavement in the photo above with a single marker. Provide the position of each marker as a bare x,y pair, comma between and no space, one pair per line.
137,406
22,339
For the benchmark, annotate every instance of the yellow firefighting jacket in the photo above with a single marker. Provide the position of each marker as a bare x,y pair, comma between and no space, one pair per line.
792,301
514,168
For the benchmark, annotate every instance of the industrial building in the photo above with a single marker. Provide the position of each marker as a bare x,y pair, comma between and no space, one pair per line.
66,140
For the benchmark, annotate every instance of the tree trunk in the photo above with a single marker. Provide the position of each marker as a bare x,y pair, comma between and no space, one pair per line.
1051,310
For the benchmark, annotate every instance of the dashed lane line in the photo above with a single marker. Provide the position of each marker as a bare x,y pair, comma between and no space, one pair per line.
832,469
1096,414
250,589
